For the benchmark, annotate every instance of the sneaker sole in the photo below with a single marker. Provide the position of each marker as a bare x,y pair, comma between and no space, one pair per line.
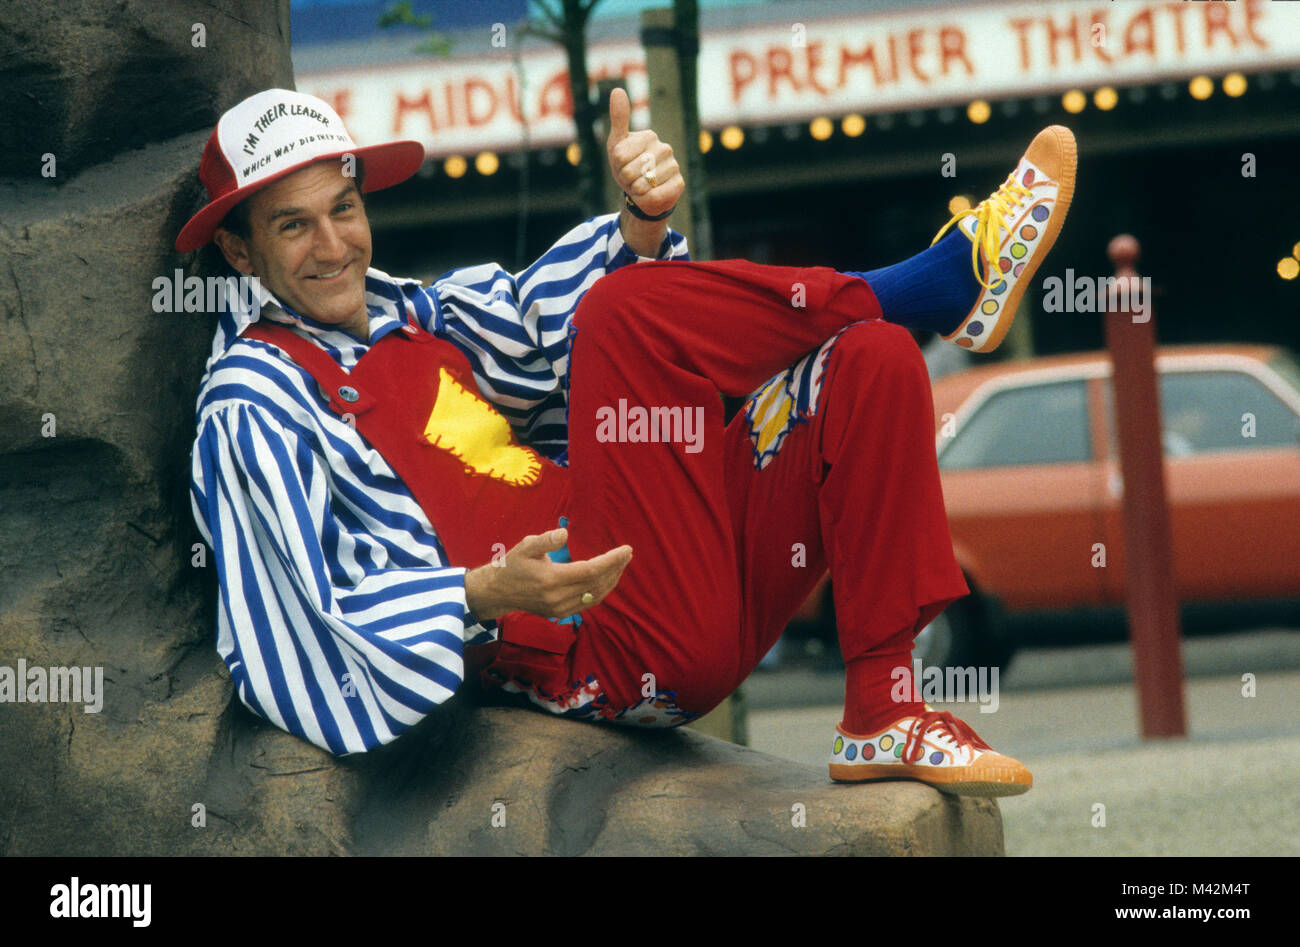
1064,195
956,781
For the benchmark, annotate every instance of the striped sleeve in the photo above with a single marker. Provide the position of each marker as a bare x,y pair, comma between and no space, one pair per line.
319,639
514,328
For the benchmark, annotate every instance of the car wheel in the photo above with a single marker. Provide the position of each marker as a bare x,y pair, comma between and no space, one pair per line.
945,642
958,638
934,643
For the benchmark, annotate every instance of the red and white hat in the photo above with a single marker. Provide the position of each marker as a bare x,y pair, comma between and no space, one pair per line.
272,134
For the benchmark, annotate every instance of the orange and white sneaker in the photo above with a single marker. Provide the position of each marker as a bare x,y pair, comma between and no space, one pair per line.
934,747
1012,231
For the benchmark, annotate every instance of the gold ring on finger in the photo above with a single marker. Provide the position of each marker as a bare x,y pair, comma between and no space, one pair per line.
588,598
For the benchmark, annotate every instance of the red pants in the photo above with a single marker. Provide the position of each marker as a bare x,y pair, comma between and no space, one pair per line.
724,552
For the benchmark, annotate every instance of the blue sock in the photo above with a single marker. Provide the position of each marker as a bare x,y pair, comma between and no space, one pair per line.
933,290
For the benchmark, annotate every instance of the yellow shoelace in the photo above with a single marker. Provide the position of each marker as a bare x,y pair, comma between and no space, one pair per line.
991,219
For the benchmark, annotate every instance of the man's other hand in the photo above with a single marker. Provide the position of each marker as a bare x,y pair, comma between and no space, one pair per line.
643,166
526,580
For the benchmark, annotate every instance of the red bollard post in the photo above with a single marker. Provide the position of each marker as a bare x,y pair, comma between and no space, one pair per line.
1154,625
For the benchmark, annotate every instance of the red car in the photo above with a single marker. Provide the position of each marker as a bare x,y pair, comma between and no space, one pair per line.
1030,466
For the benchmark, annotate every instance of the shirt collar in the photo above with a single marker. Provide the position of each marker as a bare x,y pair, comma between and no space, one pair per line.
384,315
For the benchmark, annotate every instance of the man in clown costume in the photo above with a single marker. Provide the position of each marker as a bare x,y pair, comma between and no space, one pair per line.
527,476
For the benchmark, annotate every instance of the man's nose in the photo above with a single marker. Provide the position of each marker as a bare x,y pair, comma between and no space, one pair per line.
329,242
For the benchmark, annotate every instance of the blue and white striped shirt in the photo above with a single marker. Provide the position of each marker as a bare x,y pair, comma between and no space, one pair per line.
339,616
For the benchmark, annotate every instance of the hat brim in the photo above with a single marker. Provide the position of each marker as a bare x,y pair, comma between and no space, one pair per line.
386,165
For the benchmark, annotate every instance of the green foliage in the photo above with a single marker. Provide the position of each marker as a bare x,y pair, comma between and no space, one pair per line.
401,14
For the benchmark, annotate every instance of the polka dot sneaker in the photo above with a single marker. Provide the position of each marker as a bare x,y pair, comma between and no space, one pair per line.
934,747
1012,231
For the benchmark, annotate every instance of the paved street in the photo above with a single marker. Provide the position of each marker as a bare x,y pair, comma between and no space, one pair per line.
1229,788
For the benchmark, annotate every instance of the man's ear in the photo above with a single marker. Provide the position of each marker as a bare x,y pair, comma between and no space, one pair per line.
234,249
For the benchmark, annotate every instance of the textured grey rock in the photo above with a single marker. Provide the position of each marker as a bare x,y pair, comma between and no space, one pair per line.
512,781
87,80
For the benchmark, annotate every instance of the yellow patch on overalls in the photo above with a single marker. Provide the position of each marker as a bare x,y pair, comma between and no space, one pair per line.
772,413
464,424
786,399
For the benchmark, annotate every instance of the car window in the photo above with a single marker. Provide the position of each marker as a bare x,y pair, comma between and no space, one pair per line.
1034,424
1205,412
1212,411
1285,366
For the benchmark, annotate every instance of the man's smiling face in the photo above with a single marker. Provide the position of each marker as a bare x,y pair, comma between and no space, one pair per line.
309,243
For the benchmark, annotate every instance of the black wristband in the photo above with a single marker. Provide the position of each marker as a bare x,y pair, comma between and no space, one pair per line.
642,215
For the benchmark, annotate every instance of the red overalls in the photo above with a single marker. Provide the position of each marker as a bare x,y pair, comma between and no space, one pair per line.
723,552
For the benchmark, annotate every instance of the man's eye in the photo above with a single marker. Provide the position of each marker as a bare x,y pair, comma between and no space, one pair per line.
344,207
293,224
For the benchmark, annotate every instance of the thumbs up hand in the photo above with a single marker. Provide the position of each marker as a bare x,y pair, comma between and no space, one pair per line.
643,166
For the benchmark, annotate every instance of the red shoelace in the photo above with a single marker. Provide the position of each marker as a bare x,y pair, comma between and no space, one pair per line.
958,729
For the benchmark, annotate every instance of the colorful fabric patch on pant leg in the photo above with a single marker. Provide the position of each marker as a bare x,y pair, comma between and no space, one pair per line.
786,399
586,700
661,710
